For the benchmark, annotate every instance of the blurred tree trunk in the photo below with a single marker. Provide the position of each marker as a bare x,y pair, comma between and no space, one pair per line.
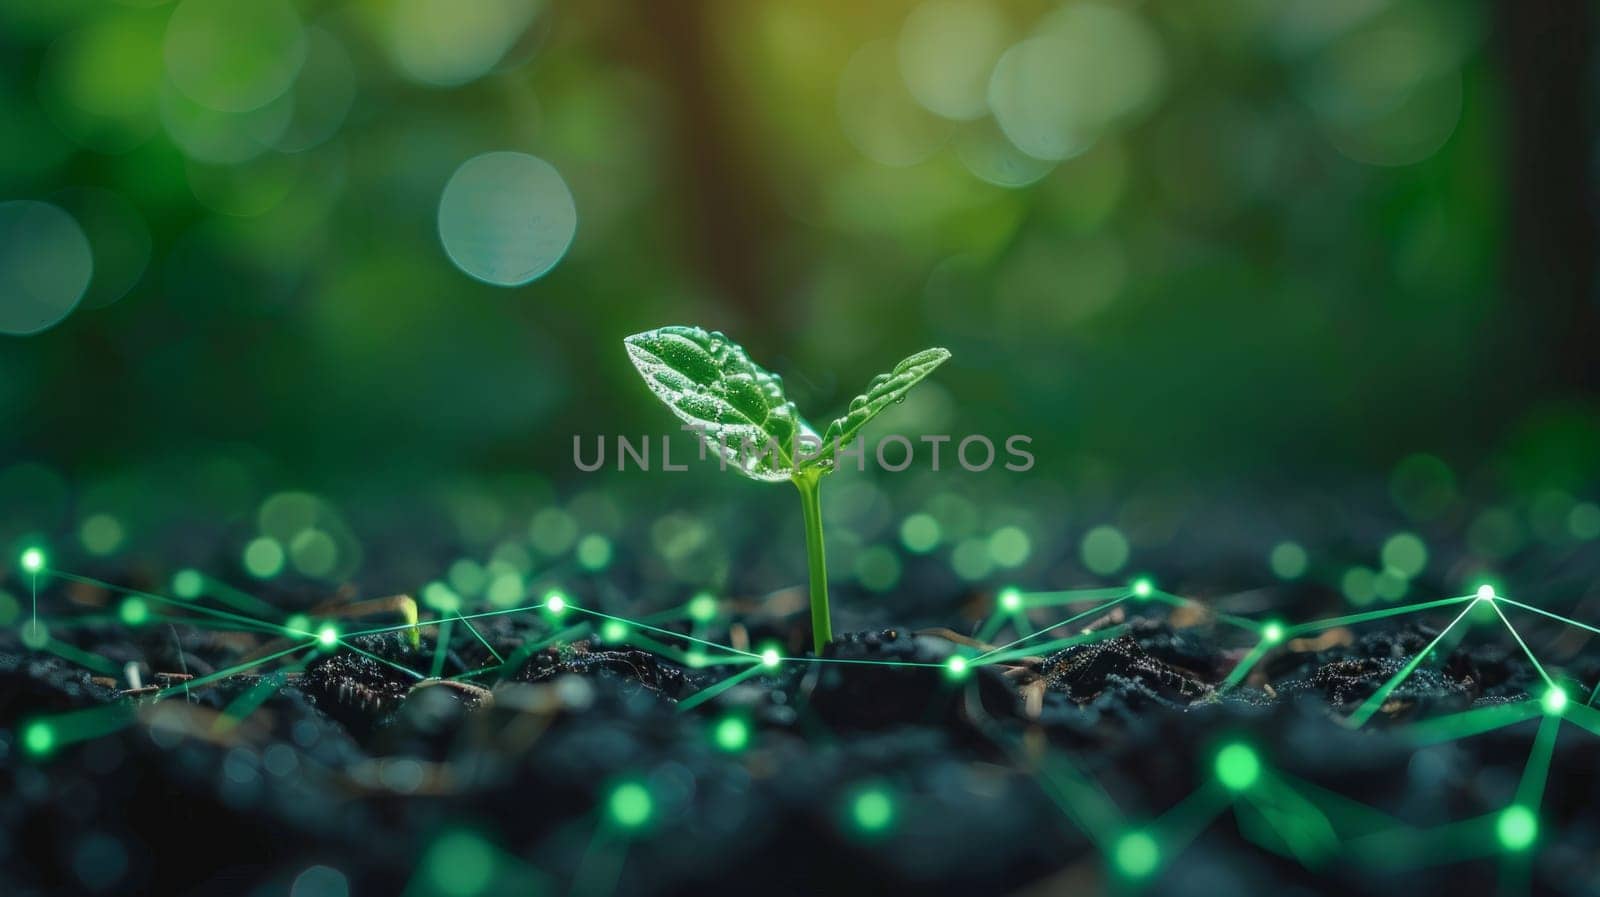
1547,55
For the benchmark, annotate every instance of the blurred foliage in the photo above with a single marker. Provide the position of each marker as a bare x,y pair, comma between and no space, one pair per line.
1248,237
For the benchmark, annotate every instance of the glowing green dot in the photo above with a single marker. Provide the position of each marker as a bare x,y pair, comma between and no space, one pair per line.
731,734
1390,585
555,603
39,738
460,864
630,805
1136,854
101,534
1554,700
594,552
770,658
33,560
441,598
1517,827
1238,767
1287,560
1104,550
134,611
956,667
188,584
920,533
1142,588
872,810
702,608
1011,600
327,635
1486,592
1405,554
263,558
614,631
1272,633
1009,546
35,635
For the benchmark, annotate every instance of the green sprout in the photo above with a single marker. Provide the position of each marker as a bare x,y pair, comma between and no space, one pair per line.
739,409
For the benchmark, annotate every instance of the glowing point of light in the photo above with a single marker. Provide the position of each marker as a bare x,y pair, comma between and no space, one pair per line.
39,738
630,805
555,603
732,734
134,611
1554,700
872,810
956,667
327,635
1517,827
1143,588
33,560
1272,633
1011,599
702,608
1238,767
1486,592
1136,854
770,658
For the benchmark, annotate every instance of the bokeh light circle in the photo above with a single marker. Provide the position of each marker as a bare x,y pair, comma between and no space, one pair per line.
1086,68
447,43
45,266
506,218
947,48
234,55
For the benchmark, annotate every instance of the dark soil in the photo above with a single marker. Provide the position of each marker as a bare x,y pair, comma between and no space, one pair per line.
353,766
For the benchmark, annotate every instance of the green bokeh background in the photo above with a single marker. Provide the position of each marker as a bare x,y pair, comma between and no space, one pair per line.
1323,241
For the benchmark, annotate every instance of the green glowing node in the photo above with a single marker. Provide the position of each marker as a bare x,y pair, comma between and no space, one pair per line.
460,864
1288,560
555,603
1011,599
327,635
770,658
33,560
1136,854
1517,827
1486,592
134,611
1143,588
263,558
702,608
1554,700
188,584
39,738
1272,633
1238,767
35,634
614,631
956,667
872,810
630,805
696,659
731,734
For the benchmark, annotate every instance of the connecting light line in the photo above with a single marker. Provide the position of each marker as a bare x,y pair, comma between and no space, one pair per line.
1283,814
1365,712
